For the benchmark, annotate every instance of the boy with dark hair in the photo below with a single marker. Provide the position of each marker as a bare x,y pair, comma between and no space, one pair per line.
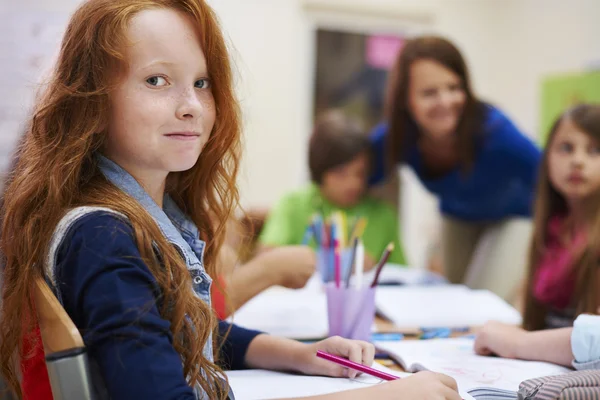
339,163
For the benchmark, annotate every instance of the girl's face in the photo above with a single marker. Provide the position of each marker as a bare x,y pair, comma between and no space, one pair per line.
345,184
163,111
574,162
436,98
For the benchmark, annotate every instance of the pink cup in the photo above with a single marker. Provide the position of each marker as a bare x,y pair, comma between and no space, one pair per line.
350,311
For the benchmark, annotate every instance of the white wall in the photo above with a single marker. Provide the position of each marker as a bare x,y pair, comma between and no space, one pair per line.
509,44
269,53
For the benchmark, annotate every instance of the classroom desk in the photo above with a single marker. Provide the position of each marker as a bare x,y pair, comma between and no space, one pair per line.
385,326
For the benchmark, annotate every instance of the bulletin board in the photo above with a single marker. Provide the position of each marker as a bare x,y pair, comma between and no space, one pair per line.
559,92
351,72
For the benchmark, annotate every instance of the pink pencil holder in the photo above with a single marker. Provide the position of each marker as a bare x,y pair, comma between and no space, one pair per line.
350,311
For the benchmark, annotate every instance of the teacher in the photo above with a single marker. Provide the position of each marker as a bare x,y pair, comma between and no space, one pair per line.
467,153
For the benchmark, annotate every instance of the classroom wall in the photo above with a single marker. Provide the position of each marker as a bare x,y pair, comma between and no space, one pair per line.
510,45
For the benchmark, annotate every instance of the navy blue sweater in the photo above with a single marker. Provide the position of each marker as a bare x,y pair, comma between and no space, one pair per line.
111,296
501,183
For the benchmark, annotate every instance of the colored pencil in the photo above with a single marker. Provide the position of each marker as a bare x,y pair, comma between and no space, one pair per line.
386,254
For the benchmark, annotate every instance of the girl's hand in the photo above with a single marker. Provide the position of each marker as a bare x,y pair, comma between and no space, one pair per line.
500,339
357,351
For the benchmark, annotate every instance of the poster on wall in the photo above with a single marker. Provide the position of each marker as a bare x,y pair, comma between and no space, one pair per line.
351,72
560,92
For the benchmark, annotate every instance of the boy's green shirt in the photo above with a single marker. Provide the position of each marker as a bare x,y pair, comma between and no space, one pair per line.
288,220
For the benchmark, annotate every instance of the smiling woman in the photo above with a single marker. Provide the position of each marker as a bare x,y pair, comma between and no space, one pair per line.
467,153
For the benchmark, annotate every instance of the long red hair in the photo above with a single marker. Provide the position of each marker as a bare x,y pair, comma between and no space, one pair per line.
56,171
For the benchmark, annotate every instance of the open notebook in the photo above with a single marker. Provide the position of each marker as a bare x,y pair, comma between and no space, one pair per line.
442,306
482,377
260,384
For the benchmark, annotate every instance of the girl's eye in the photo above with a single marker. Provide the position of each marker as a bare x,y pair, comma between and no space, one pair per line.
455,87
565,147
156,81
594,150
203,84
429,92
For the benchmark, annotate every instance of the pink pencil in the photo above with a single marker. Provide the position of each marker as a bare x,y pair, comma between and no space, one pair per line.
338,266
355,366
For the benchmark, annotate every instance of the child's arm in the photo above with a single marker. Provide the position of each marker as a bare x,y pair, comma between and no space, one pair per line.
579,345
510,341
275,353
111,296
288,266
268,352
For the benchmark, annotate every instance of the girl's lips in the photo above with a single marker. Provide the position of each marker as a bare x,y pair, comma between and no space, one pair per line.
183,135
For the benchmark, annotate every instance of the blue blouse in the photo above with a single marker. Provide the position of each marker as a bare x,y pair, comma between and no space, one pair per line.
500,184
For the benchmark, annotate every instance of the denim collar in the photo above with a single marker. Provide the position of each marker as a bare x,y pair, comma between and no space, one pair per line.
172,222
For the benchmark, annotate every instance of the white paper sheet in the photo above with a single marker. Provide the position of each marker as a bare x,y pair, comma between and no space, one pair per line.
442,306
456,358
260,384
393,273
296,314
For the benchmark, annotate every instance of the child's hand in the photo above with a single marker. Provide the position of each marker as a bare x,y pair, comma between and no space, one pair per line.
424,385
291,266
500,339
354,350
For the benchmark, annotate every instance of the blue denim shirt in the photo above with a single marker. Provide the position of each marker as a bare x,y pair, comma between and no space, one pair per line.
101,280
585,342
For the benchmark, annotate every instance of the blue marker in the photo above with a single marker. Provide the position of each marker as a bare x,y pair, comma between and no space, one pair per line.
439,333
386,337
452,329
